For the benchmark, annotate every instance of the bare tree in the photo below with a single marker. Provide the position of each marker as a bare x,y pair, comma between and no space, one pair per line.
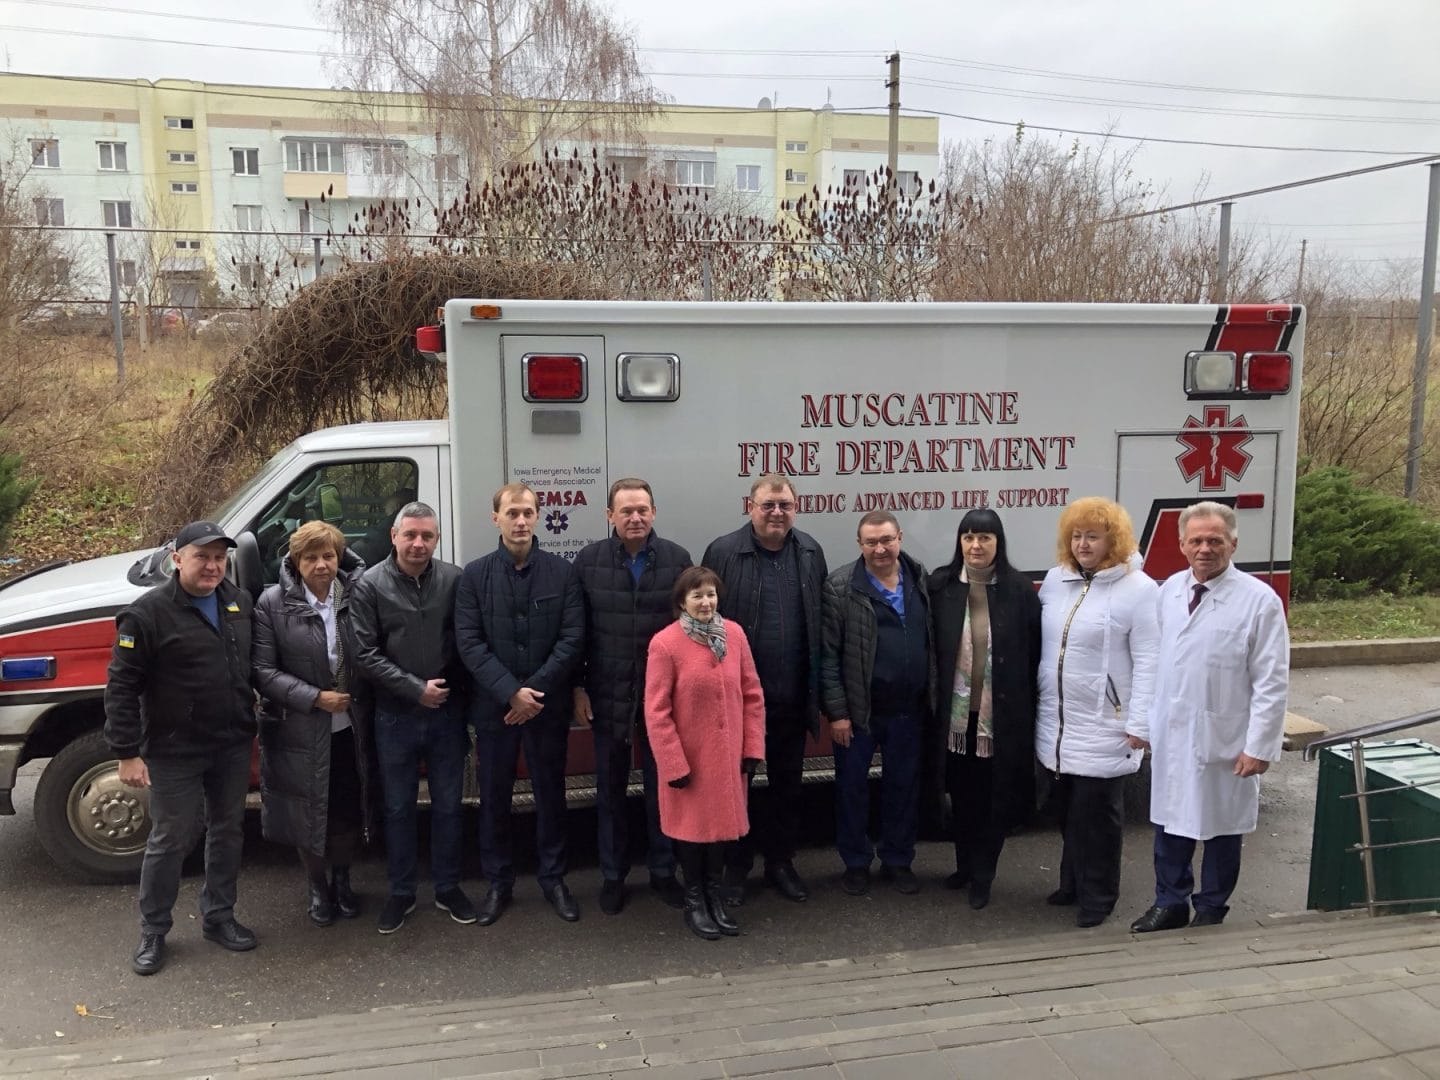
504,80
1056,222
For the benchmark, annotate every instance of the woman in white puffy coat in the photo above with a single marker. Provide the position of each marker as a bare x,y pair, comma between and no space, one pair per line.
1099,643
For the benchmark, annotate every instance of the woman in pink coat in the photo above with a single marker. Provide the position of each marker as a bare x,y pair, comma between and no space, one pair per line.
705,715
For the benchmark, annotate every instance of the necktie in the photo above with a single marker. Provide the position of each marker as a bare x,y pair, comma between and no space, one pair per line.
1200,590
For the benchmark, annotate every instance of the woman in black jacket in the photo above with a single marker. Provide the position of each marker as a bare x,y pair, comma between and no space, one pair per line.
312,744
987,652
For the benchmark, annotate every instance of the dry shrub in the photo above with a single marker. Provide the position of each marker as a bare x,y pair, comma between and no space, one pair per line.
341,352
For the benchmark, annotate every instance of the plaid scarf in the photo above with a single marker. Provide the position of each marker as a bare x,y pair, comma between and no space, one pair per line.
710,634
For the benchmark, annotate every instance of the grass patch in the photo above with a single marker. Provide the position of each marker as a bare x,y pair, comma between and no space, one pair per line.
1378,616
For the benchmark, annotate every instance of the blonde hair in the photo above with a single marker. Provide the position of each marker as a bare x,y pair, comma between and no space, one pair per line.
1108,517
515,490
315,536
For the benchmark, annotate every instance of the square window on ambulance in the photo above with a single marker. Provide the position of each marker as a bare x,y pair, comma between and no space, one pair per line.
551,377
1209,373
1266,373
648,377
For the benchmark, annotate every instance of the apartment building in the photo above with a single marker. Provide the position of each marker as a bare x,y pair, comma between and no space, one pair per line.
198,179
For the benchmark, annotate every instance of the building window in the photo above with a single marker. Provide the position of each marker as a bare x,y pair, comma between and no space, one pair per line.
854,182
247,162
45,153
694,173
112,156
796,176
49,211
115,214
630,168
247,218
182,157
382,159
447,168
307,155
249,275
909,183
747,177
187,245
311,223
59,273
794,147
180,123
184,187
128,273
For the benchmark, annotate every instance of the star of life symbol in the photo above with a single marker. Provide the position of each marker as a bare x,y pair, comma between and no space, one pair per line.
557,522
1214,448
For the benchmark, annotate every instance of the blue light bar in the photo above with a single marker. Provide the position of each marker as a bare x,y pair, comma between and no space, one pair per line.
27,668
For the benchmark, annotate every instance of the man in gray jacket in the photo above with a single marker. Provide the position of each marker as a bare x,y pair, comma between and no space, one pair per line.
876,675
403,610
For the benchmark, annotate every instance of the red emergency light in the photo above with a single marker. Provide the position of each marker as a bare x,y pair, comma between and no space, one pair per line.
1266,373
558,377
430,340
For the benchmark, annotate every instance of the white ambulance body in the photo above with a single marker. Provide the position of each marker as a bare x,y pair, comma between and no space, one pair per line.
925,410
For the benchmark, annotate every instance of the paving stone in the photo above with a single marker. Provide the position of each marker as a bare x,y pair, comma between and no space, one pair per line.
1153,987
693,1040
879,1018
976,1006
1427,1061
487,1064
1379,1069
756,1064
1020,1059
869,1048
690,1070
1218,1047
821,1072
981,1033
1101,1054
929,1065
1310,969
1311,1034
1041,999
585,1053
1088,1021
1398,1018
786,1030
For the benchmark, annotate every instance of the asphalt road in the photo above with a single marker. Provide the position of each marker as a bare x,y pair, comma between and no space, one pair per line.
68,945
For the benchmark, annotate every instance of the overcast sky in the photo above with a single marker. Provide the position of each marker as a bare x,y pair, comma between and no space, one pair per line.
1291,71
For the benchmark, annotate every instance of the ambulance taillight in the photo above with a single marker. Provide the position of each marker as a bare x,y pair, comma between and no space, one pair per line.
430,341
1228,375
1265,373
553,378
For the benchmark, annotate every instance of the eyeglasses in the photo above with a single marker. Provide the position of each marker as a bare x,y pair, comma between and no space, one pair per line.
879,541
783,507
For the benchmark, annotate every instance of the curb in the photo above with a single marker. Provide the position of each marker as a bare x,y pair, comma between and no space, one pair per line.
1313,654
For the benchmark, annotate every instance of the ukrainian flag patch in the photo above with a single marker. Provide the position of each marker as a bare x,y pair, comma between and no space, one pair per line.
233,608
126,641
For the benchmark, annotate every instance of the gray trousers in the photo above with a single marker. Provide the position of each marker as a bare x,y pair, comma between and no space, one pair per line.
188,794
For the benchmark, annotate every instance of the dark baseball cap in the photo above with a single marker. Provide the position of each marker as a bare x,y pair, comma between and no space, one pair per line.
201,533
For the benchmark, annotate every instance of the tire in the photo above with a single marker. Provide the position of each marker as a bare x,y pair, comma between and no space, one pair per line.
92,826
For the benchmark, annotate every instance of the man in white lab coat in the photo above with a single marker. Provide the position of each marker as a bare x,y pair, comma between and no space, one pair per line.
1217,721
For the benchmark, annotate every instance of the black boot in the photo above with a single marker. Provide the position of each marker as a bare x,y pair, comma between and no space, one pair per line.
723,920
697,914
322,905
346,902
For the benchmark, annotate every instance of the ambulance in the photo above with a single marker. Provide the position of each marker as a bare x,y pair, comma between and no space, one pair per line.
925,410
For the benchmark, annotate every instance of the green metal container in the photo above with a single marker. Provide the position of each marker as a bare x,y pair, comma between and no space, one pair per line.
1337,876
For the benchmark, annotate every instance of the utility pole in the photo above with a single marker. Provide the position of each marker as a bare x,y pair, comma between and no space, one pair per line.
1222,269
1424,332
117,322
893,160
1300,277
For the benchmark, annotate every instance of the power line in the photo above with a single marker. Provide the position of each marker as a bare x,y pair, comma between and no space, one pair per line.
1330,225
1046,73
110,9
1012,124
1154,106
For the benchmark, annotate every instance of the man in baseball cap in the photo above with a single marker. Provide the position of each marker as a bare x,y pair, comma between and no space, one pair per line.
180,716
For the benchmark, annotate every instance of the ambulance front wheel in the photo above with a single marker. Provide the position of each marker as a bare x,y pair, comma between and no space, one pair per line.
90,824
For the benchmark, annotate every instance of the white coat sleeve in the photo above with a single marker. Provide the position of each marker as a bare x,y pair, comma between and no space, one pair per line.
1269,670
1144,659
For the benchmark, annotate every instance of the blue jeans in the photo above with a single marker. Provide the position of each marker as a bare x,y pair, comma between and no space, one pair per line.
612,782
1174,878
545,740
898,739
187,794
402,741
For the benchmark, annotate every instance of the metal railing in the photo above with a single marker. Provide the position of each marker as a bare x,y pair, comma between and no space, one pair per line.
1355,739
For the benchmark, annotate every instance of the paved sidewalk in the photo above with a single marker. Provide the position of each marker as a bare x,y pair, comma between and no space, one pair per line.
1320,996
